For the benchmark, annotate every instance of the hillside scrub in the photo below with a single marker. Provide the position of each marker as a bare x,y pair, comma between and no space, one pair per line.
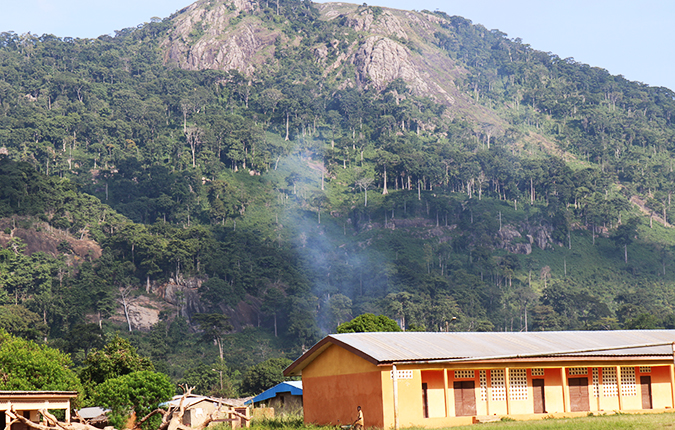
532,193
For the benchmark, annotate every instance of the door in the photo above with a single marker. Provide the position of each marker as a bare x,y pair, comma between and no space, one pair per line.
465,398
425,399
646,389
538,395
579,394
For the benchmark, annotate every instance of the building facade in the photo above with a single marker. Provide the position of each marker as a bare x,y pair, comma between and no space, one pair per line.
283,398
445,379
28,404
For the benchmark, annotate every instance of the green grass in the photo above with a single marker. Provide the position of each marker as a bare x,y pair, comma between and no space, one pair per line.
603,422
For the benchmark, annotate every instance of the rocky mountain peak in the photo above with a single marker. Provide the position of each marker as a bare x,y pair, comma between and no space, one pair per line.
217,35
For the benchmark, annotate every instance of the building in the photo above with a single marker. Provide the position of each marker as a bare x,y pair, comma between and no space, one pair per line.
199,408
28,404
444,379
285,397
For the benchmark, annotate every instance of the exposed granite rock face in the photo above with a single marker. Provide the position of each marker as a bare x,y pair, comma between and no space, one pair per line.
381,60
385,24
204,37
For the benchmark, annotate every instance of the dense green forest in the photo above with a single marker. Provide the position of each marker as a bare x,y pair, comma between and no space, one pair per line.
539,200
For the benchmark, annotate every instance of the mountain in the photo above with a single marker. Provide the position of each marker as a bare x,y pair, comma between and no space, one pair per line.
292,165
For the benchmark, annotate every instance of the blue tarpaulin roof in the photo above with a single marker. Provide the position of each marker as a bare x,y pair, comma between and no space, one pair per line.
293,387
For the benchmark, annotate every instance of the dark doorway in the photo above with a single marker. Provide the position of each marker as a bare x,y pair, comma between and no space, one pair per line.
646,389
579,394
425,399
465,398
538,394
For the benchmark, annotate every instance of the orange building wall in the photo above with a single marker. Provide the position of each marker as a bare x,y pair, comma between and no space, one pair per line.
335,383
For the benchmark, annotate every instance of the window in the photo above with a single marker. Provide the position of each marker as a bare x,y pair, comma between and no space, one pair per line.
518,384
628,381
596,382
538,372
497,382
402,374
482,377
609,382
577,371
464,374
645,369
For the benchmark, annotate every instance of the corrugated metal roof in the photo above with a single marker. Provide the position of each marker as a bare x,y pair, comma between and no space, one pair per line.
384,348
415,346
192,400
293,387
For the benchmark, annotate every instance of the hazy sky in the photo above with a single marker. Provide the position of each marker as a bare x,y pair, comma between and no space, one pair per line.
628,37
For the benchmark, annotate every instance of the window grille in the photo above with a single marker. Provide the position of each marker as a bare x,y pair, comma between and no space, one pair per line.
497,382
482,377
402,374
628,381
518,384
538,372
596,382
609,382
464,374
577,371
645,369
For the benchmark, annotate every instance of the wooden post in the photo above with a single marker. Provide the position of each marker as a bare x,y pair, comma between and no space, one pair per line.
395,379
618,386
507,389
488,391
565,390
445,392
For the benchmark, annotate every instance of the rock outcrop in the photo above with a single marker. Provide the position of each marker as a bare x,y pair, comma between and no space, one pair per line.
390,44
215,35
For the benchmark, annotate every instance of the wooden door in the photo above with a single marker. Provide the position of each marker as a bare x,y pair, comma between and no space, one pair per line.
646,389
425,399
579,394
465,398
538,395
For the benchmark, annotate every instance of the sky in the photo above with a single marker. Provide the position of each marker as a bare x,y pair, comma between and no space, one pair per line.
633,38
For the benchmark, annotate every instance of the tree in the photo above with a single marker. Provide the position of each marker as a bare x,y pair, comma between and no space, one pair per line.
264,375
19,321
339,309
205,379
27,366
85,337
364,183
214,327
137,392
624,234
369,323
116,359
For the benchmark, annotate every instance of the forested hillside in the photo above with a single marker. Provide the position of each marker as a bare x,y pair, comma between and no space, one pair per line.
291,166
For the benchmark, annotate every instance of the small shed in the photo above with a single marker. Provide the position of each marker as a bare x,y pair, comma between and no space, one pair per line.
199,408
94,415
285,397
29,403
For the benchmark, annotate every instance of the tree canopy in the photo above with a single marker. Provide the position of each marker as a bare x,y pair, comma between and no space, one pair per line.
368,322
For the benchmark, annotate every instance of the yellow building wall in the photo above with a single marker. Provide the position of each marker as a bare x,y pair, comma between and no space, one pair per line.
553,390
436,393
662,394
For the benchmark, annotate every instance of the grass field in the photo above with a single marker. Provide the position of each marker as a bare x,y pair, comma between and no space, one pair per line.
604,422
